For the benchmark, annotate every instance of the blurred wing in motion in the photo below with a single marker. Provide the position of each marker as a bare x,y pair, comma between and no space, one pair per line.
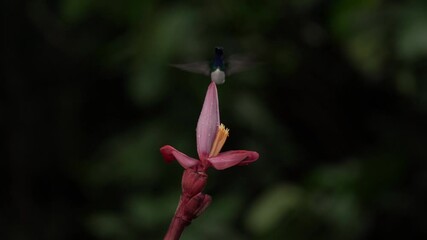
196,67
236,64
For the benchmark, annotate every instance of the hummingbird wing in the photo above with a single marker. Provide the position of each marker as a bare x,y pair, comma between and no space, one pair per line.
238,63
195,67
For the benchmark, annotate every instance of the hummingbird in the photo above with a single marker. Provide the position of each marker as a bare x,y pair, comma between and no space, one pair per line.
218,68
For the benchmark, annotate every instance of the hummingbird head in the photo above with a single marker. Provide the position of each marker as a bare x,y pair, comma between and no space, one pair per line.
219,51
218,61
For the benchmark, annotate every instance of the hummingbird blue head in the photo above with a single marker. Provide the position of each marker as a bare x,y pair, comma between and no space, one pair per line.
218,61
219,51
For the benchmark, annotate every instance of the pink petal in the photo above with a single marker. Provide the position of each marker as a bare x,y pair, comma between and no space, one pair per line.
208,123
232,158
169,154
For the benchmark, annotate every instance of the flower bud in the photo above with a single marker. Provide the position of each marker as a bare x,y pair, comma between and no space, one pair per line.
195,206
193,182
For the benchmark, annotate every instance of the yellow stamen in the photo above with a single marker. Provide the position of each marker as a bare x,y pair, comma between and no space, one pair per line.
221,136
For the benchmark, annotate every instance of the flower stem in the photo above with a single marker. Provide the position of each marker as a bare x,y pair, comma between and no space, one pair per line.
177,224
175,229
191,203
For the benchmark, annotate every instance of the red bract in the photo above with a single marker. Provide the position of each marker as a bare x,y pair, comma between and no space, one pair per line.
210,136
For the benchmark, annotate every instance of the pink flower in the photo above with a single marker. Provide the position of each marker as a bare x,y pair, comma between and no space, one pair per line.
210,136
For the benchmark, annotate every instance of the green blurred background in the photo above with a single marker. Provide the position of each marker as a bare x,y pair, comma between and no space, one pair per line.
338,113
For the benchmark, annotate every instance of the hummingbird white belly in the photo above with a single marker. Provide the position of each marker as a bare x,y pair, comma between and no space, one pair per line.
218,76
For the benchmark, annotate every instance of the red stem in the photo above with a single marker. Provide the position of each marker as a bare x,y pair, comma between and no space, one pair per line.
191,203
177,224
175,229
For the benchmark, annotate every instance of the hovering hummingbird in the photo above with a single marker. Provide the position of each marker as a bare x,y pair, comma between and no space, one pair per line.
218,68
